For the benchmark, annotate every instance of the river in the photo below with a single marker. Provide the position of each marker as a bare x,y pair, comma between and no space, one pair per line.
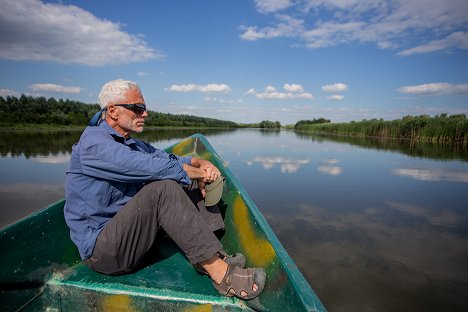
374,225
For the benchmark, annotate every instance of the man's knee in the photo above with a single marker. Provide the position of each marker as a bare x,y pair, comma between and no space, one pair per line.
166,189
162,186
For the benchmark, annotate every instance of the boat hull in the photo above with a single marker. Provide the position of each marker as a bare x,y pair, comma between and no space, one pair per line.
41,268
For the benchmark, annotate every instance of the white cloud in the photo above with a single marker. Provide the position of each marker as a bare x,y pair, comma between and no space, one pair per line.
67,34
431,25
268,6
335,97
251,34
457,39
287,26
439,88
8,92
50,87
211,99
336,87
210,88
295,91
293,87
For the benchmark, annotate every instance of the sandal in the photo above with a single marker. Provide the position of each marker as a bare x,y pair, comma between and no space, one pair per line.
239,282
235,259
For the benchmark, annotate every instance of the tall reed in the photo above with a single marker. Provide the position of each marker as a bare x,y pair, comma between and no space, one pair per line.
441,128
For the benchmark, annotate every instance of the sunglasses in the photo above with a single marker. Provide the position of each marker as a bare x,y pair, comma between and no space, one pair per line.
136,108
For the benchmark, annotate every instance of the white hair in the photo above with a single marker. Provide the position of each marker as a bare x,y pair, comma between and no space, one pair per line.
115,91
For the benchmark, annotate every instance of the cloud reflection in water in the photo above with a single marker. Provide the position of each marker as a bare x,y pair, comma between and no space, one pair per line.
61,158
287,165
433,174
351,256
329,169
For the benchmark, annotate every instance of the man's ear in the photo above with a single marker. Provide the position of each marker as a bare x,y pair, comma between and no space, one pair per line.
112,112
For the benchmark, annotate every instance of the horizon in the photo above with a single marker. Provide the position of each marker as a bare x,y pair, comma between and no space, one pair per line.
245,61
255,122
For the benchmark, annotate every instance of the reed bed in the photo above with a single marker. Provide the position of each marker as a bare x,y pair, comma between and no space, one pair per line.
441,128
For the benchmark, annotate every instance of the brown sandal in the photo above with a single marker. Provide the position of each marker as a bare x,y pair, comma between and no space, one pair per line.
238,281
236,259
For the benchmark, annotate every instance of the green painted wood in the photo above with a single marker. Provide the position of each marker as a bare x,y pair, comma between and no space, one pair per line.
41,268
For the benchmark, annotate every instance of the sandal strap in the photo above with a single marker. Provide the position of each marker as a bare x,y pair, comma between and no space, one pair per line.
236,259
237,281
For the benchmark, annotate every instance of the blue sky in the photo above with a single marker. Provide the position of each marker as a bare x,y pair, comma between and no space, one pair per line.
245,61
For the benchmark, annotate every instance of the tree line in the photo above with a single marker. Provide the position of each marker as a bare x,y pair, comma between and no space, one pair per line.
440,128
264,124
39,110
28,110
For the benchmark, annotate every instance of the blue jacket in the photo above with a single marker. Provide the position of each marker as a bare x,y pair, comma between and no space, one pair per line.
106,171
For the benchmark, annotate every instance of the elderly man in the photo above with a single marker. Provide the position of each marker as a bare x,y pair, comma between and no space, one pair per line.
120,191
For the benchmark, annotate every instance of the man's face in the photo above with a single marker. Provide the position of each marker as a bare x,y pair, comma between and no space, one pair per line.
129,121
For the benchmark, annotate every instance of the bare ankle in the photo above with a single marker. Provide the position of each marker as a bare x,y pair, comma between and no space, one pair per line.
215,267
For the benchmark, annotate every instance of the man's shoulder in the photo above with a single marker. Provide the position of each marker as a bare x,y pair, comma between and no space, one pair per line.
95,133
92,130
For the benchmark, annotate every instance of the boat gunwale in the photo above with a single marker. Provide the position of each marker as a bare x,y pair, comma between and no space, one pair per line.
305,292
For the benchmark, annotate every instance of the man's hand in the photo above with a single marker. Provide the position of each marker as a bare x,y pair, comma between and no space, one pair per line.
211,172
203,171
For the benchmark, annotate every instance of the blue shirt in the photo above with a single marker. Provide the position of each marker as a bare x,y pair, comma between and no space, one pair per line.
106,171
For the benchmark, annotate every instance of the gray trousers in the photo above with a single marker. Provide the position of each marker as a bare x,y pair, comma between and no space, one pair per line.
131,233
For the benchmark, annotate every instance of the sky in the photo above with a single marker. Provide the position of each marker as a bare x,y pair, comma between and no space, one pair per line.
245,60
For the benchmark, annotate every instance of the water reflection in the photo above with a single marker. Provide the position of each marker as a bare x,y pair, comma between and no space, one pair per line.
21,199
374,262
287,165
33,143
331,170
433,174
61,158
408,147
158,134
54,142
442,217
37,143
370,228
330,167
270,132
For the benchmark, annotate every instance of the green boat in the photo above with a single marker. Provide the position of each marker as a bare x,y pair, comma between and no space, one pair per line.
40,269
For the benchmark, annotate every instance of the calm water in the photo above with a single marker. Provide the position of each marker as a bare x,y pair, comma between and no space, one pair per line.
373,225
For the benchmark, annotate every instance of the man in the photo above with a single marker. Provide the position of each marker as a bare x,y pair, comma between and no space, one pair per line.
120,191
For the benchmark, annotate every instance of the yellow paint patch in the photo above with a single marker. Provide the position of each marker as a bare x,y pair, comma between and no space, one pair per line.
117,303
200,308
204,155
184,147
257,249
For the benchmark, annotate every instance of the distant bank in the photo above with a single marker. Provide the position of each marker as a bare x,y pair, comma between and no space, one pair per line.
27,112
441,128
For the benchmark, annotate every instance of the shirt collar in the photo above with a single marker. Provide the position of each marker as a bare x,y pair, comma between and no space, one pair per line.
117,136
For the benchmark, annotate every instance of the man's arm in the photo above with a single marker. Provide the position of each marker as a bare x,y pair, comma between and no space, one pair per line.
212,173
203,171
195,173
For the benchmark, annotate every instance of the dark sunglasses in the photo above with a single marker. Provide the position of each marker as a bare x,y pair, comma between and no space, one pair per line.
136,108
